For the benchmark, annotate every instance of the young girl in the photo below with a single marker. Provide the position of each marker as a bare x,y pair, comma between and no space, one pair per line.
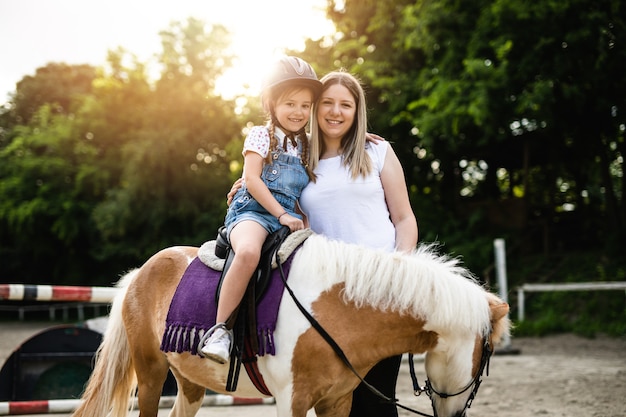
274,174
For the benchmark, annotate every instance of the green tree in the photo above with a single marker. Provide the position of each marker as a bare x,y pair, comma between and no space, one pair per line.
56,83
175,169
95,185
47,179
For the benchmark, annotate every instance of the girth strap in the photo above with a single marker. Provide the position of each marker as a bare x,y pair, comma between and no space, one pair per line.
252,368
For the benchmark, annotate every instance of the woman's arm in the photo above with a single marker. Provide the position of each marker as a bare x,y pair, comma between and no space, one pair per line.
305,219
397,197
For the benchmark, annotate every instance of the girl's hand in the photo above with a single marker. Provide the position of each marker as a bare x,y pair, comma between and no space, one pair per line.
293,223
236,186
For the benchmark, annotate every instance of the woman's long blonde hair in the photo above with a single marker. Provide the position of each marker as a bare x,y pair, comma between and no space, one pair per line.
354,155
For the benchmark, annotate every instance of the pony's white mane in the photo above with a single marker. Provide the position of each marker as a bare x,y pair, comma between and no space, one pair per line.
423,284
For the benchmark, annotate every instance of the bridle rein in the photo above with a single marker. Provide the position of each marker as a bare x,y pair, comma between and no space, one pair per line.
428,388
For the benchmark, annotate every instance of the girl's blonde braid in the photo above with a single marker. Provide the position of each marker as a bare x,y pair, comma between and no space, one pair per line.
305,153
273,142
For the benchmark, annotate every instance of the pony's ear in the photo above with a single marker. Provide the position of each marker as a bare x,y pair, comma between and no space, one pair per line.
498,308
498,311
500,323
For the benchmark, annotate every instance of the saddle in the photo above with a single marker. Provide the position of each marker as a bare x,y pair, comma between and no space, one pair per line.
261,275
243,320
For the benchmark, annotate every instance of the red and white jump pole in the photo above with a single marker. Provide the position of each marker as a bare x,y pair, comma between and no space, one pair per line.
57,293
14,408
63,293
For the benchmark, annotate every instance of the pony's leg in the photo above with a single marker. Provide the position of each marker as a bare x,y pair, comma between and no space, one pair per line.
284,408
144,312
298,407
150,363
338,408
151,375
188,398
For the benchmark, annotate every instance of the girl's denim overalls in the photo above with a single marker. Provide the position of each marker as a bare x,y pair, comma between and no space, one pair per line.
285,177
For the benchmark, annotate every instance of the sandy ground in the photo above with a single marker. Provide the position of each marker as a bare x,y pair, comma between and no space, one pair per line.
563,375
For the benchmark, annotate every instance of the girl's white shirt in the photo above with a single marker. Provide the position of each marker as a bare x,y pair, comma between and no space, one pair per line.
347,209
258,140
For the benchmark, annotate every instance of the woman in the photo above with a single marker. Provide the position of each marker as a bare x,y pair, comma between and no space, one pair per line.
359,195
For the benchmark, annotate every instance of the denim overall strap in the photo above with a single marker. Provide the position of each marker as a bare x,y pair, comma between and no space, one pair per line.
285,177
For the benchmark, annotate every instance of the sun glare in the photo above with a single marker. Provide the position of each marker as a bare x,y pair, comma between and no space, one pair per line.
263,33
260,30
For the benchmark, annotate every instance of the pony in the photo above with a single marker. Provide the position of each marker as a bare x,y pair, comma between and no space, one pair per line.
373,304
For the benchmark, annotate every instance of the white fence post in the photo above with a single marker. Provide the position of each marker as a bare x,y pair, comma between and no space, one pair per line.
520,304
500,253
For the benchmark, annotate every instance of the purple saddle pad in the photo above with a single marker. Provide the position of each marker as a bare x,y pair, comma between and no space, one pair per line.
193,309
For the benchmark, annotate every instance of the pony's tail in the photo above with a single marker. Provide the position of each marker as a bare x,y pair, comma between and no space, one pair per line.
113,380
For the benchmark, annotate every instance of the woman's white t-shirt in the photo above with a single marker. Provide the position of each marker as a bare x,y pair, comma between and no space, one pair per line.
347,209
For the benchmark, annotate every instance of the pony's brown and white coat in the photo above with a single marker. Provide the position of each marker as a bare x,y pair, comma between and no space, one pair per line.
374,305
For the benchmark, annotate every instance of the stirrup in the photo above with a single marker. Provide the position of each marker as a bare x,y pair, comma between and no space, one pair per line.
208,334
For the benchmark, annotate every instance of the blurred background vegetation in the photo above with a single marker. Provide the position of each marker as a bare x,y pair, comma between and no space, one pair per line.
508,116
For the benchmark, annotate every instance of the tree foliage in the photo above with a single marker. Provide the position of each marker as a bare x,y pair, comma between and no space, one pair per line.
98,176
56,84
172,184
47,185
508,115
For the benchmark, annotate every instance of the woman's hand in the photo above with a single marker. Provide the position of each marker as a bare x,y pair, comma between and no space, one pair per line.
236,186
373,137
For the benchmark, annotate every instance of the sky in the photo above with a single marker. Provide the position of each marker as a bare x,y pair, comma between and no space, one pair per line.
34,33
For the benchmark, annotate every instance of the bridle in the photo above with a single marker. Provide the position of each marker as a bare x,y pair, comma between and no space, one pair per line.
428,388
475,382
